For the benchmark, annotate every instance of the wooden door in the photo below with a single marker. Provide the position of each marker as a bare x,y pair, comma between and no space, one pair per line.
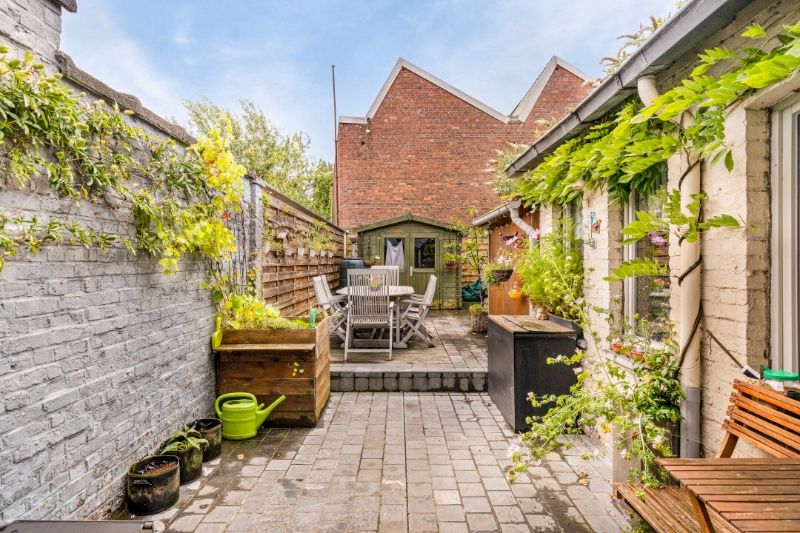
424,257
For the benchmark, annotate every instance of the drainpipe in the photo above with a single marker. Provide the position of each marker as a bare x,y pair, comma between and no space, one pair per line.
513,211
689,291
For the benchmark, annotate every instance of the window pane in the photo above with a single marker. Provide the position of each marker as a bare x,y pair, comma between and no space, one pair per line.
652,292
425,253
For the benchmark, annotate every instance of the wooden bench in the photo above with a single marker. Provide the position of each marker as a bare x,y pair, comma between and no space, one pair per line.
733,494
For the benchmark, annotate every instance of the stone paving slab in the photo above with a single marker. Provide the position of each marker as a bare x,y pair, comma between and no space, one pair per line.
457,362
394,462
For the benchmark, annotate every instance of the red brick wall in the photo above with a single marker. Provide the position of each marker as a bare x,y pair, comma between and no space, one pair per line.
427,151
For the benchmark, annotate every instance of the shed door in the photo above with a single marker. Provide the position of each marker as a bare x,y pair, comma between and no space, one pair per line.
423,256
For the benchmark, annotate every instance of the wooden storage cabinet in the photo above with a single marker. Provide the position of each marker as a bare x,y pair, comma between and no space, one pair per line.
262,362
519,347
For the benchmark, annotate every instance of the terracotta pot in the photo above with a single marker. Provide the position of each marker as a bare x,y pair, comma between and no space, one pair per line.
515,294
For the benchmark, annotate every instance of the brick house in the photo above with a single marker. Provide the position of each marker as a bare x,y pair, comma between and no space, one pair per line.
747,286
424,146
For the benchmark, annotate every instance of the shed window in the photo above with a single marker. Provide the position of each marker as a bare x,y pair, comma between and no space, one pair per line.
647,298
425,252
394,252
785,264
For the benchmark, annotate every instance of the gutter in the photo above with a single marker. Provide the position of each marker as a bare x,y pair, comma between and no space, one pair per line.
678,36
510,209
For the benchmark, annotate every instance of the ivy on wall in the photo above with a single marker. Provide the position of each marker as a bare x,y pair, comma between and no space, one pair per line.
179,197
623,153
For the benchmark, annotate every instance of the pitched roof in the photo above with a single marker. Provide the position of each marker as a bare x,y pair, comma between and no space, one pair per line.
520,112
403,218
525,105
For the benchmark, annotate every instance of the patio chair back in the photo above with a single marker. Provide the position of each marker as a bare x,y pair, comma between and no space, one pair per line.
368,297
430,292
323,297
393,273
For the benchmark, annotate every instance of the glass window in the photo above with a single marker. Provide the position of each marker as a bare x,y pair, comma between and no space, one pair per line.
425,252
785,236
647,298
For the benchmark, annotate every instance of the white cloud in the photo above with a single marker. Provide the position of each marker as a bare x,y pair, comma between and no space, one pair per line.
100,47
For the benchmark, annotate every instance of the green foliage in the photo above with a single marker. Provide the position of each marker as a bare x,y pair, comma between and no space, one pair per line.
90,152
623,153
642,267
184,440
686,224
245,311
478,309
641,404
504,186
618,154
552,273
469,252
279,159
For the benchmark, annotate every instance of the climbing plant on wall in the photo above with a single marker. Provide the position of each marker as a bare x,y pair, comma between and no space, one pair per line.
178,198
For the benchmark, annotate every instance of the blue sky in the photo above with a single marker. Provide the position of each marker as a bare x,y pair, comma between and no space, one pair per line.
278,53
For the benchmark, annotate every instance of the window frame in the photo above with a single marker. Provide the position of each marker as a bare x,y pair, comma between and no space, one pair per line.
785,236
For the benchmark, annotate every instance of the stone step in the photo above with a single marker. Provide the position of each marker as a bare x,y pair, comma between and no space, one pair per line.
378,380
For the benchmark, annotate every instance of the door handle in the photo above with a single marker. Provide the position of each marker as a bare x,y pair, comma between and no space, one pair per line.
411,270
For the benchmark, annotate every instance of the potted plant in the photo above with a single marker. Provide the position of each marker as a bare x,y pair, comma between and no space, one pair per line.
372,260
552,276
211,430
283,355
153,484
292,246
478,317
187,445
500,270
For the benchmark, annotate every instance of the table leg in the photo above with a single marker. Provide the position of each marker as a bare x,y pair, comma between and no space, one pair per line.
702,514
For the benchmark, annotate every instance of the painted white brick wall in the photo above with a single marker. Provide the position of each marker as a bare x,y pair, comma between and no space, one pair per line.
101,356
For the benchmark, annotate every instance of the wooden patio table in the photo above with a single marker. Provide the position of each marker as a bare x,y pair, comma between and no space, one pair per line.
397,293
748,494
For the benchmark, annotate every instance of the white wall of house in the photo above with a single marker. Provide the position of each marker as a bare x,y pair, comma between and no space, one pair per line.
736,263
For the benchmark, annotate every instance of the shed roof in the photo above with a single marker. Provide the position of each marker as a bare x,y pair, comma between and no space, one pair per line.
403,218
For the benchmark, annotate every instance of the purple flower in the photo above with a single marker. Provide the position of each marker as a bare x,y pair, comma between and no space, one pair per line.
657,239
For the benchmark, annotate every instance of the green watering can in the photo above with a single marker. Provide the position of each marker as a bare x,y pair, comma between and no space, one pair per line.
241,415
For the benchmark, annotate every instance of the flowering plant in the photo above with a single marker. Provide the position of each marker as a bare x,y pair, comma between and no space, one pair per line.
641,403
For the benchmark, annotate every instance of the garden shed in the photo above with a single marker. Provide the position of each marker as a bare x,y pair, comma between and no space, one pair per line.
416,245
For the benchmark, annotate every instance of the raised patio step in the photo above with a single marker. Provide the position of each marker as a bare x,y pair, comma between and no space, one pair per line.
379,380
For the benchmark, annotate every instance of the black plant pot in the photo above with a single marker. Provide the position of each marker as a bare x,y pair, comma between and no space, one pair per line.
191,463
153,484
211,430
502,275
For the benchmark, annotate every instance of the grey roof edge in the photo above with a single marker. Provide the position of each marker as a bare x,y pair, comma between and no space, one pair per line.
495,213
343,119
405,64
399,219
526,103
677,37
126,101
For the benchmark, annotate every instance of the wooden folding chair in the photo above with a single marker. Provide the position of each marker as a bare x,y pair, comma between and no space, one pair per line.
415,312
368,307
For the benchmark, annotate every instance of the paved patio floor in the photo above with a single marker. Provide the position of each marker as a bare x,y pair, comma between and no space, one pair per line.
394,462
456,348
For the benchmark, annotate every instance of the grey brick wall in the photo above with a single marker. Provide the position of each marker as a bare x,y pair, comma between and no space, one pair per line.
101,356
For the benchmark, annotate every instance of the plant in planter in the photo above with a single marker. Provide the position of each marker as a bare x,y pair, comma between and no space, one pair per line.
552,273
372,260
639,406
188,446
153,484
478,316
279,356
292,246
501,268
211,430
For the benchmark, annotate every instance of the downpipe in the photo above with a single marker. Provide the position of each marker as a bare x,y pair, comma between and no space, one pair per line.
689,290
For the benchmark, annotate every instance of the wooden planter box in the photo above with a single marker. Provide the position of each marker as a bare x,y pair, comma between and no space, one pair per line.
262,362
